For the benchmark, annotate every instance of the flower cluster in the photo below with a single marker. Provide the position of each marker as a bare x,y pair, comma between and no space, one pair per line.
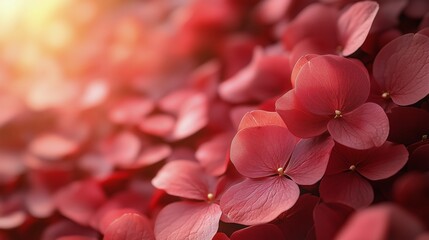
215,119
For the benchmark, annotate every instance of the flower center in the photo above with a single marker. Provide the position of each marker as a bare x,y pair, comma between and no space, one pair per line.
338,114
385,95
280,171
352,168
210,197
425,137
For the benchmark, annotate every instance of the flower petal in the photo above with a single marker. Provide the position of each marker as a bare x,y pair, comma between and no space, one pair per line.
184,179
300,123
365,127
329,218
187,220
260,151
309,160
383,162
256,201
80,200
404,82
257,232
328,83
381,222
130,226
347,188
258,118
354,24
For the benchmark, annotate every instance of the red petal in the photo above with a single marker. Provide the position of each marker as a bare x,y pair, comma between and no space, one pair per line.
300,123
52,146
257,232
328,83
258,118
184,179
213,154
130,226
383,162
152,154
381,222
12,220
315,21
64,228
122,149
260,151
406,83
408,125
347,188
298,66
365,127
158,124
130,110
354,25
329,218
188,220
256,201
272,11
80,200
193,116
309,160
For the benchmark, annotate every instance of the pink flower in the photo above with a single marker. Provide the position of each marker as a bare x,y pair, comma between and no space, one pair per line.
330,94
346,177
187,219
274,162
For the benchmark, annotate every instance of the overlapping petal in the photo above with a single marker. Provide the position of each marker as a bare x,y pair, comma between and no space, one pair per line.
365,127
184,178
328,83
309,160
130,226
253,159
347,188
354,25
259,118
255,201
187,220
300,122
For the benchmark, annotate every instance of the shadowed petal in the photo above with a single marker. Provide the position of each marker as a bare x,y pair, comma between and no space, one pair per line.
130,226
329,218
404,82
187,220
383,162
309,160
256,201
347,188
260,151
257,232
363,128
354,25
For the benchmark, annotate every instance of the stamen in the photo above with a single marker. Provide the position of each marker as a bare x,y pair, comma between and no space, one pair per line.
210,197
425,137
338,114
280,171
385,95
352,168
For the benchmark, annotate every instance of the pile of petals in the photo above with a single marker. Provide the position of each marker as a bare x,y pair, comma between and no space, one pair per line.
218,119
